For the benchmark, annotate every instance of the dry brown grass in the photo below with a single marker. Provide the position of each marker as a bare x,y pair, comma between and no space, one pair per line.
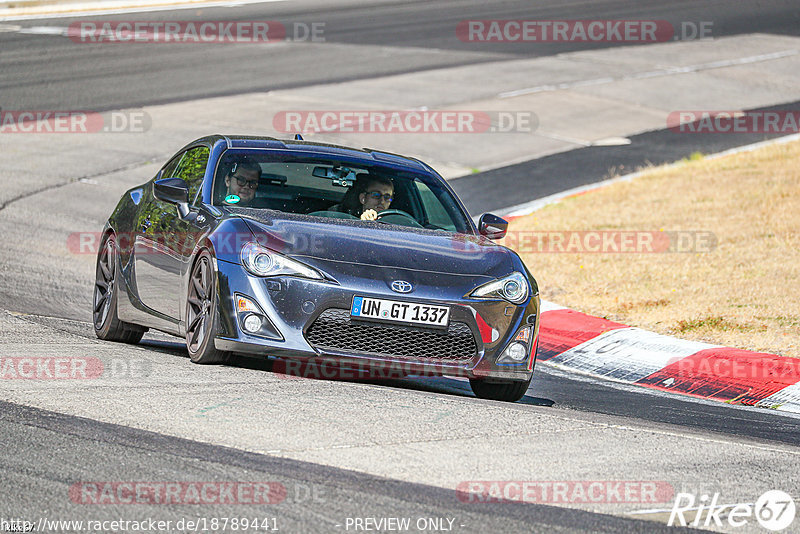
745,293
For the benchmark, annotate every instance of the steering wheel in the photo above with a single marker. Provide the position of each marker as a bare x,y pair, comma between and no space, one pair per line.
400,213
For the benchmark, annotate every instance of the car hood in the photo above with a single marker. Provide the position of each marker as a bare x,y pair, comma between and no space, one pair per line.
378,244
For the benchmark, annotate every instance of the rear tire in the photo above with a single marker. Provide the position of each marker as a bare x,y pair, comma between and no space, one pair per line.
502,391
202,312
107,325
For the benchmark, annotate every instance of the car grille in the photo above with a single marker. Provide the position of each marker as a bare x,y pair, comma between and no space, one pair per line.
333,329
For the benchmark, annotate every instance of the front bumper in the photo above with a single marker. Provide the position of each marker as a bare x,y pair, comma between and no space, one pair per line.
293,305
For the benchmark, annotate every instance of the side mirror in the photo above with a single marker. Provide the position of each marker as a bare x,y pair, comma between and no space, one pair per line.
172,190
492,226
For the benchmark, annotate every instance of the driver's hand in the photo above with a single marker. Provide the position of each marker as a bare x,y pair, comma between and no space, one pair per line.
369,215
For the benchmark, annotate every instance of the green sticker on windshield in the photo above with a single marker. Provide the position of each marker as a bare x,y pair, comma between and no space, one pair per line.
232,199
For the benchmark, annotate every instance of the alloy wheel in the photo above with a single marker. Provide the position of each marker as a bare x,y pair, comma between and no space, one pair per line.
104,283
200,303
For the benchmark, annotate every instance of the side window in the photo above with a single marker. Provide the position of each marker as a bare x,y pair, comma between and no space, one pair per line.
192,169
152,211
437,213
170,167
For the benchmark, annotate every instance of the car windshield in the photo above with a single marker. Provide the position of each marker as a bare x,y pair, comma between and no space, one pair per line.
325,187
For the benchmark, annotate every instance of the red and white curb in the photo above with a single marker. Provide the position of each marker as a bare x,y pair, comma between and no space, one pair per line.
601,348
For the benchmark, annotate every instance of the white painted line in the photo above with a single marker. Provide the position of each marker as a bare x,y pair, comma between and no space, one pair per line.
546,305
669,71
558,137
723,507
557,87
755,146
128,6
44,30
612,141
787,399
627,354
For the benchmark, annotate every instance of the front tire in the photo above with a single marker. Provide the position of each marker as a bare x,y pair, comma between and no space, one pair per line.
202,315
502,391
107,325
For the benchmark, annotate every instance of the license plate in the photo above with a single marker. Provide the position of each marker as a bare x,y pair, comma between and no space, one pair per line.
400,312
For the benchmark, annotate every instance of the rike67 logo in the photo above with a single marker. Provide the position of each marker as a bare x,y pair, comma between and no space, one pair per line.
774,510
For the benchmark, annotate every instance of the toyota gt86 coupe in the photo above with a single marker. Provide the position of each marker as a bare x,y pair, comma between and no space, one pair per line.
258,246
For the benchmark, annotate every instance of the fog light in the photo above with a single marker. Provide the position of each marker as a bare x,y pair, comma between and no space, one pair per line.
515,352
252,323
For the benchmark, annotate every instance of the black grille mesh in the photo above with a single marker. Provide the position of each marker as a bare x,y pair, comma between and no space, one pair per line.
333,329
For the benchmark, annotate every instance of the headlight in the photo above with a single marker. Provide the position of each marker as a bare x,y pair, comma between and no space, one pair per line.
261,261
513,288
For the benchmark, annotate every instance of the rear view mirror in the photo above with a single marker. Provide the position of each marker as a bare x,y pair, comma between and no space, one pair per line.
492,226
341,176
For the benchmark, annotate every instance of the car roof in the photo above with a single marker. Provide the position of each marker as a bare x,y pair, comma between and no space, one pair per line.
264,142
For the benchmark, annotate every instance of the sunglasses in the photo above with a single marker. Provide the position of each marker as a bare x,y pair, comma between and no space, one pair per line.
375,195
252,184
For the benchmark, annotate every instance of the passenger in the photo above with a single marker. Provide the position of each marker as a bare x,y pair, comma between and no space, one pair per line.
242,181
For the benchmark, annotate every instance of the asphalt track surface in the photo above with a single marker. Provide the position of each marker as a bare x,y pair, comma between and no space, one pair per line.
42,72
44,451
566,170
318,498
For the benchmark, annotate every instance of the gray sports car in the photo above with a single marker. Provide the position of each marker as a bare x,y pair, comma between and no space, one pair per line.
308,252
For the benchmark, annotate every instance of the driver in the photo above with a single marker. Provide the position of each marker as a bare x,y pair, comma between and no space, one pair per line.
376,197
242,182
